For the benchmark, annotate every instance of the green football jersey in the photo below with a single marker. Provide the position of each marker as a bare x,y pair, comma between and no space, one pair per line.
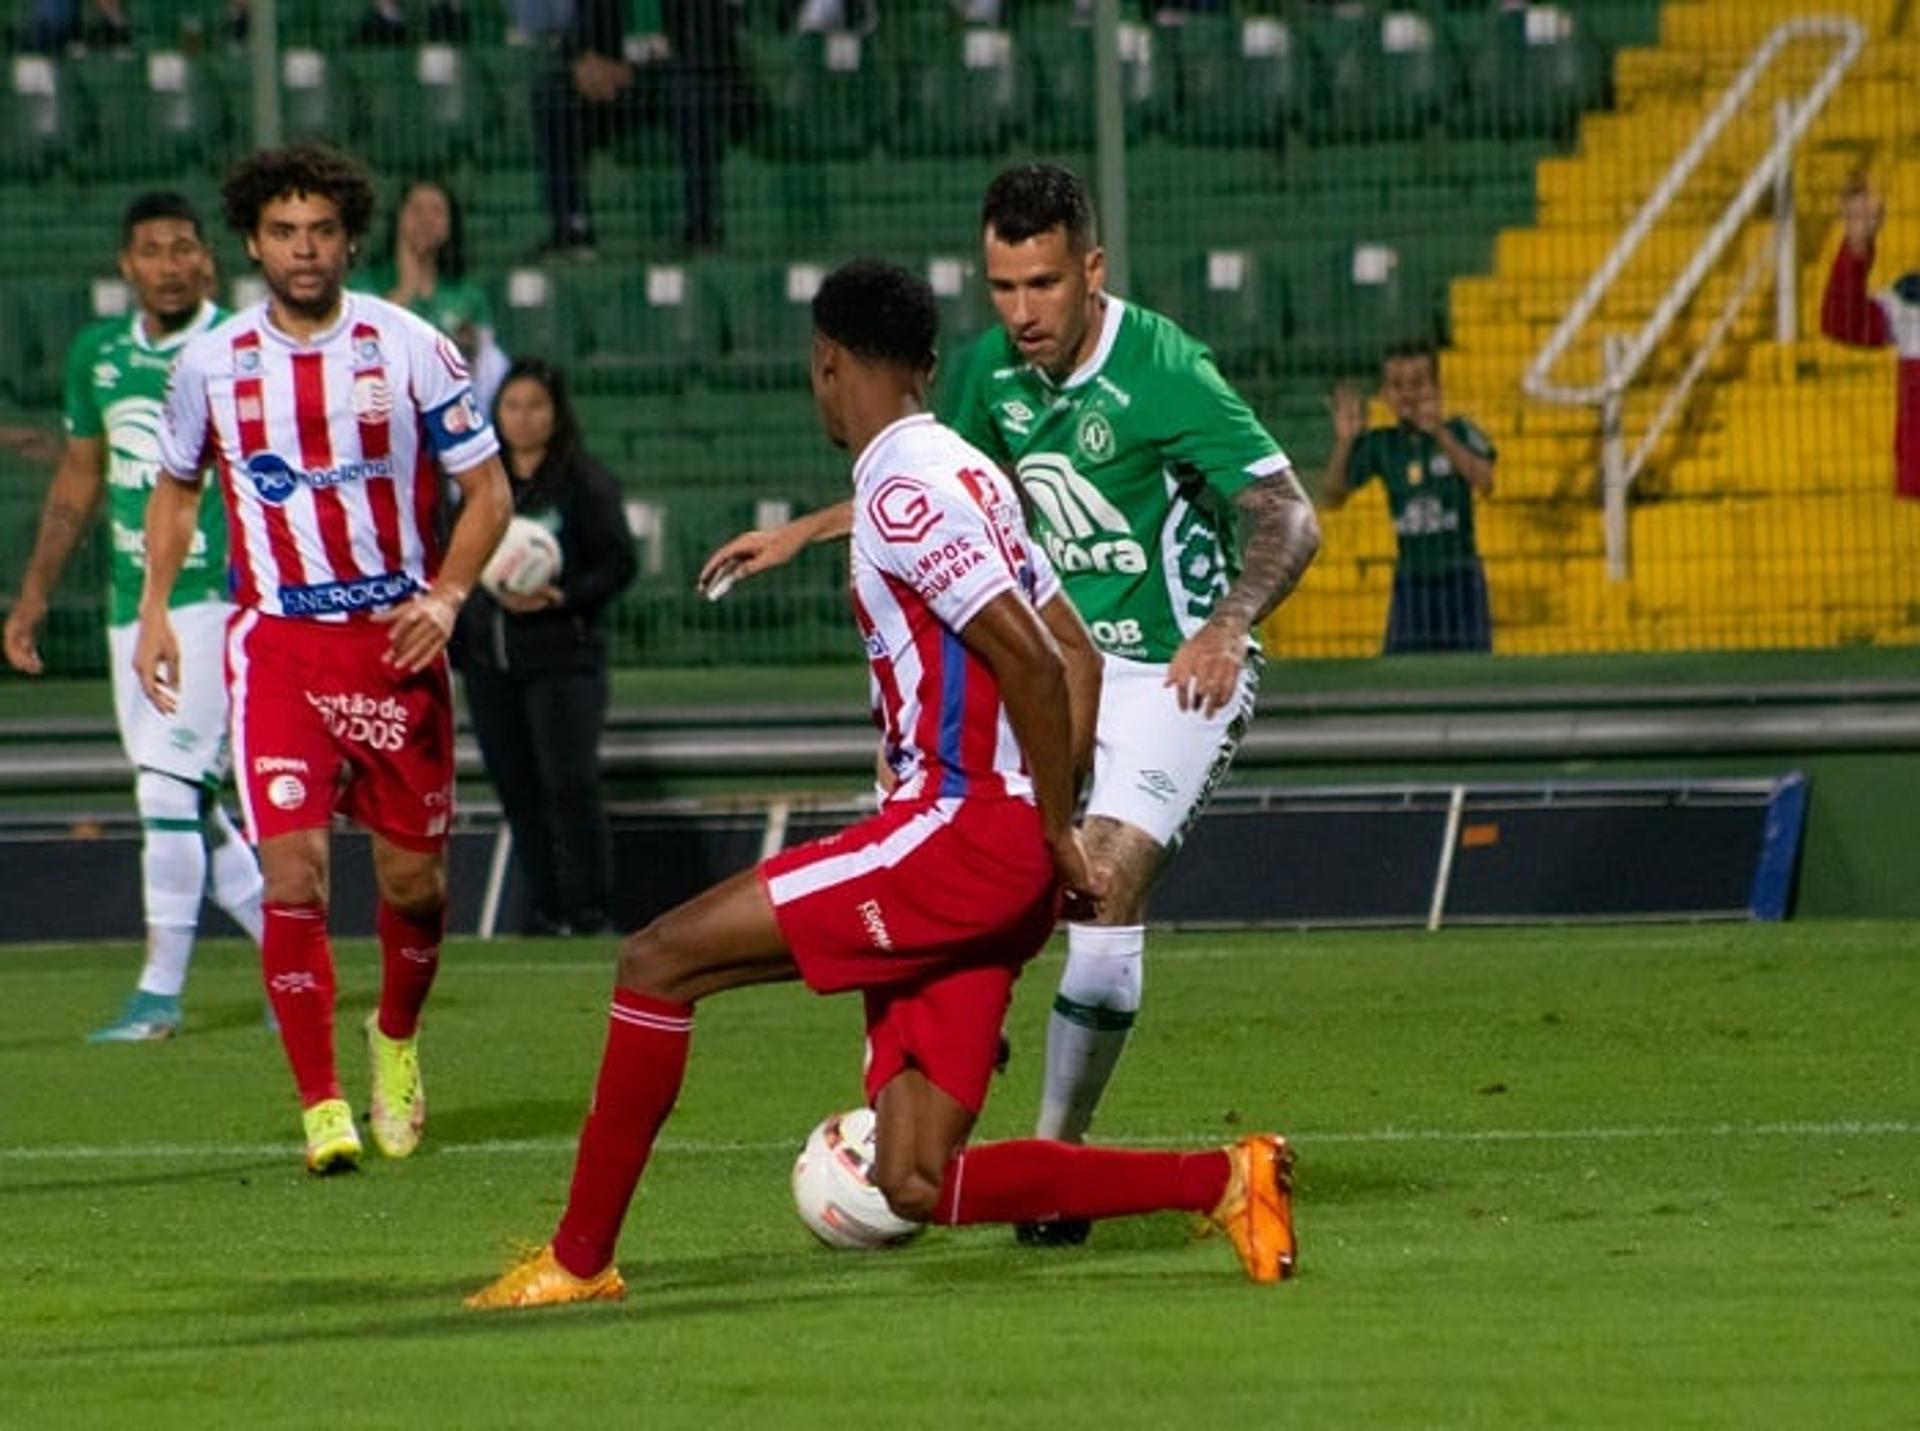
117,390
1129,469
1432,505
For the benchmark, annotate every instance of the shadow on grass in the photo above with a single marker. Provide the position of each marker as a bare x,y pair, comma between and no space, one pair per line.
498,1122
223,1173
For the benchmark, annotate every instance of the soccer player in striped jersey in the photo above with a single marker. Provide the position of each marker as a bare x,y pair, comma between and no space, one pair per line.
325,414
116,380
985,690
1177,526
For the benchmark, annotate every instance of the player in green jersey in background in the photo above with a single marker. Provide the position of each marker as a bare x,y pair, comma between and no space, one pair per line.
117,373
1177,525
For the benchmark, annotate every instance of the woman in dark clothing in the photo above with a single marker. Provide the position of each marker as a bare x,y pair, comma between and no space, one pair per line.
535,666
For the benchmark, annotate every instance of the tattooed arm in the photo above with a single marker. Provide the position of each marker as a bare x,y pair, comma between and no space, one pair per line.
79,485
1279,536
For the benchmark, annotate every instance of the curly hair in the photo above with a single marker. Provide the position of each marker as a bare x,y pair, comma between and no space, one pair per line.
880,312
270,174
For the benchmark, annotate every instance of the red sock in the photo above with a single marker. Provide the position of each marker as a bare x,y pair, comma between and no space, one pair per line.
640,1074
297,962
409,958
1031,1180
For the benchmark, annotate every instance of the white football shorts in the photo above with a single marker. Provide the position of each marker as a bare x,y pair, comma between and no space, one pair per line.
1154,765
190,744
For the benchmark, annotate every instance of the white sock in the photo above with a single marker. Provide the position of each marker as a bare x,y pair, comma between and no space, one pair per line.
1092,1015
237,885
173,875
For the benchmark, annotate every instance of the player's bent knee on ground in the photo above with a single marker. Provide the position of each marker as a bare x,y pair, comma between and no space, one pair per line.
655,963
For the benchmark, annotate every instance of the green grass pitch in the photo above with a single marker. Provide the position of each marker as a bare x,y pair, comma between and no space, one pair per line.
1642,1177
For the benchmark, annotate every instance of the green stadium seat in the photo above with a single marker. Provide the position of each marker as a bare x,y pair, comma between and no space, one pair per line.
769,323
416,111
964,98
37,120
655,330
312,102
959,284
1388,76
41,319
1530,73
1351,301
531,320
1060,103
1239,82
826,97
1232,299
149,116
506,75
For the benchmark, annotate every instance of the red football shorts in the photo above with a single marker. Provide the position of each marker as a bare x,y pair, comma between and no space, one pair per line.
321,723
931,908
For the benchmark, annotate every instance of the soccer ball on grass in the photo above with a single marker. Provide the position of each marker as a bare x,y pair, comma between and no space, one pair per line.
831,1190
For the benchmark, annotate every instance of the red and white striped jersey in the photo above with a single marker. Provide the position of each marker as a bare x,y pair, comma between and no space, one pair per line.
937,534
325,450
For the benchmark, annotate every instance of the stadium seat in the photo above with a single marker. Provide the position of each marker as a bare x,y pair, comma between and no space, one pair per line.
655,330
1388,76
826,97
1350,301
1530,73
769,322
416,111
148,117
1238,82
1231,299
311,106
36,117
505,75
1057,64
962,99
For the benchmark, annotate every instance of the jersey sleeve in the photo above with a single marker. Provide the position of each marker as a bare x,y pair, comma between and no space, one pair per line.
184,424
962,403
937,544
458,429
80,410
1211,430
1473,439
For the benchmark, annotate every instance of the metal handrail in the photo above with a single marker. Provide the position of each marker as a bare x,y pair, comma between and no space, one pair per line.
1633,356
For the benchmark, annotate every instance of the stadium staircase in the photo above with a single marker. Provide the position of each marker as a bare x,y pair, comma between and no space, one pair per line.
1768,519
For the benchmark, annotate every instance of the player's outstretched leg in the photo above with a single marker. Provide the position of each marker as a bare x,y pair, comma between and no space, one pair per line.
1245,1190
719,940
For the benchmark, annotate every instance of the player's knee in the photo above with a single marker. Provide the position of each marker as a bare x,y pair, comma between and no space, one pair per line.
417,890
909,1192
647,966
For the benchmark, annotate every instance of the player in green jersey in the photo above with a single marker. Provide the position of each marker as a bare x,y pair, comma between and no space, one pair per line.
1176,523
117,374
1432,466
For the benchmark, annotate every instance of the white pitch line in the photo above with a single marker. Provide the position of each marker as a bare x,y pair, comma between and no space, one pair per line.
509,1147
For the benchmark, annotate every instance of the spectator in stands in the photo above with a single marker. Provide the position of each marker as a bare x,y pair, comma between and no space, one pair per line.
54,24
590,95
386,23
424,270
1849,314
1433,467
535,666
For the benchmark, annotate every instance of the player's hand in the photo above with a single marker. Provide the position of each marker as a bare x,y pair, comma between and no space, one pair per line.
1349,408
1083,884
22,622
156,661
421,629
1205,671
749,554
526,603
599,78
1861,213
